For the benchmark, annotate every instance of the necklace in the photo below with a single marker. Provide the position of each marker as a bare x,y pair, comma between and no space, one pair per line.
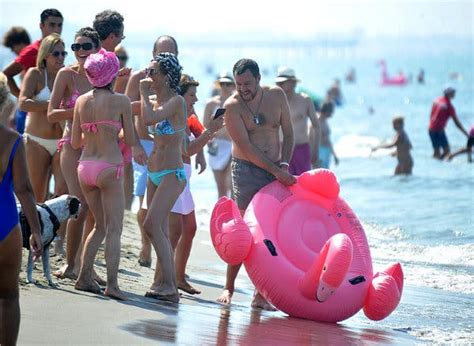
257,118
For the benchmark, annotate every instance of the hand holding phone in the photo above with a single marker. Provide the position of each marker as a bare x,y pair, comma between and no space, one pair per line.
219,112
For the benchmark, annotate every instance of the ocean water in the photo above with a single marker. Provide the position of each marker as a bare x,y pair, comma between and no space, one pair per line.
424,221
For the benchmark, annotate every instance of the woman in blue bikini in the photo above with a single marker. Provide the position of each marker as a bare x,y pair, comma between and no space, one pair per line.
13,179
167,177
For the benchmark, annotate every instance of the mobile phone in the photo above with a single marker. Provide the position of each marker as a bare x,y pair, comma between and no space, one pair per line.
219,112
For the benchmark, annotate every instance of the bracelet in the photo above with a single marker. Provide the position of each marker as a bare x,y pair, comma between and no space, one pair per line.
284,164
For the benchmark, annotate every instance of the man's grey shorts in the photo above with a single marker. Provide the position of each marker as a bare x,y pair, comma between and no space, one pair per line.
247,180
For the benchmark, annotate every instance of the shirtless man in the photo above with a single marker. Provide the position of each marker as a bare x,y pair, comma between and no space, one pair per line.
253,118
220,148
301,108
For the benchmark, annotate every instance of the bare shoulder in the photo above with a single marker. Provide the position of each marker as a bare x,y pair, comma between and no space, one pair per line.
232,102
33,72
122,98
214,101
274,90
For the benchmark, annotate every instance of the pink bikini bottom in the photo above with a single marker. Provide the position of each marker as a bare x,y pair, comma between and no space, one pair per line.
89,170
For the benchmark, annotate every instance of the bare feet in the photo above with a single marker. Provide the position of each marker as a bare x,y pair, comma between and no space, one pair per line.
173,298
226,297
92,286
259,302
115,293
144,263
186,287
144,257
65,273
98,279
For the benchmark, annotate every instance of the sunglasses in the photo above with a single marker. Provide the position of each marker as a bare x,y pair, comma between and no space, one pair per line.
122,58
150,72
56,54
85,46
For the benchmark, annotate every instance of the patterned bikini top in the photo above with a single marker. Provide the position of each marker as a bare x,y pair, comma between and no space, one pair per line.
164,127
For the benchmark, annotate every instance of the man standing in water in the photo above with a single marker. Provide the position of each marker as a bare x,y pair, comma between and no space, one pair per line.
301,108
441,111
253,118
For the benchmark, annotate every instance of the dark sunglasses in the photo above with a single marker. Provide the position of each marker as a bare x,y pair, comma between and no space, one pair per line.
85,46
122,58
56,54
150,72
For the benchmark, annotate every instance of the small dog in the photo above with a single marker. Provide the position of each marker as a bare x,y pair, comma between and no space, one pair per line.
51,215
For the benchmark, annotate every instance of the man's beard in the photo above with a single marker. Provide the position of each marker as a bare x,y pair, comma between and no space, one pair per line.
249,96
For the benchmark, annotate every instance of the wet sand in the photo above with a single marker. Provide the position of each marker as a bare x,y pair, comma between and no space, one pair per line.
67,316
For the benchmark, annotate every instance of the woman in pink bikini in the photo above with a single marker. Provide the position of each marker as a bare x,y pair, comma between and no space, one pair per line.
71,82
41,137
99,116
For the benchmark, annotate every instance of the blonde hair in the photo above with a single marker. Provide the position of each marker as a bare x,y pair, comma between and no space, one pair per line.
46,48
4,90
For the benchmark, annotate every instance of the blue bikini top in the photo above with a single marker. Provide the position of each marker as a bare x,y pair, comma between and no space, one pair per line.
164,127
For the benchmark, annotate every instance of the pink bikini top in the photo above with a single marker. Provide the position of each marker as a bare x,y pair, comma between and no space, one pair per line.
92,126
72,100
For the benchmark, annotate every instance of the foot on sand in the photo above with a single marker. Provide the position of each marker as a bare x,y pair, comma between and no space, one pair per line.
225,297
173,298
92,287
65,273
259,302
186,287
99,280
144,263
115,293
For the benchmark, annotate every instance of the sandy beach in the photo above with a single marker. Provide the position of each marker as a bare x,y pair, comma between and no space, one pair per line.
66,316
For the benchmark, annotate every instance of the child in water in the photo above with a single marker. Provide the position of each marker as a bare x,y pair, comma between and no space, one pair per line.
467,149
402,143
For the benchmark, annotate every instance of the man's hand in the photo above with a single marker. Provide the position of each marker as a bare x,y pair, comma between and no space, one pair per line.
139,154
36,245
284,177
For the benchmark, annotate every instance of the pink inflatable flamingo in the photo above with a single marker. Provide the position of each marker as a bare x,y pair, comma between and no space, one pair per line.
395,80
306,251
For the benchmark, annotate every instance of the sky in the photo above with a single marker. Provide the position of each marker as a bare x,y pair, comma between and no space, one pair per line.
295,18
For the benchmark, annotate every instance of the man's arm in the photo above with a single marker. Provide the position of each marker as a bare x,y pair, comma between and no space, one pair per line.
459,125
316,126
287,129
11,71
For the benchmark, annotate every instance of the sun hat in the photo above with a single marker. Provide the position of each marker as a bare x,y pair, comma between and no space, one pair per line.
284,74
226,77
101,68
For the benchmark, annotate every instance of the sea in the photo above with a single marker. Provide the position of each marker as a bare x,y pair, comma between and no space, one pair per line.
424,221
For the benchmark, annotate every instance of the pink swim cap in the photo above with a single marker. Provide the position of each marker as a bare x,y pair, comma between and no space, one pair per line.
101,68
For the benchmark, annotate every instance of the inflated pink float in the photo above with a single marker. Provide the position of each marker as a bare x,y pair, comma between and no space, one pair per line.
399,79
306,251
